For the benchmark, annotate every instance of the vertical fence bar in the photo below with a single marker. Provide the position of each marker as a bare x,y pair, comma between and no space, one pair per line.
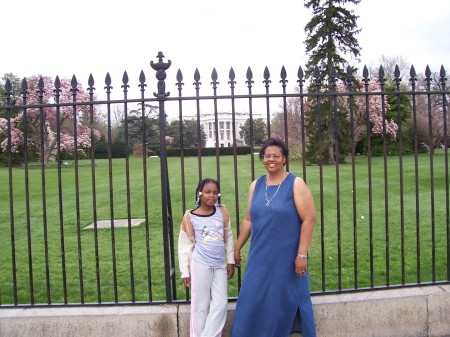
232,84
249,82
27,183
57,92
179,85
8,89
267,82
142,86
428,80
74,90
301,82
386,198
43,138
108,88
94,187
397,80
214,83
366,82
442,82
125,87
317,84
161,95
197,84
351,99
45,225
283,82
413,80
333,129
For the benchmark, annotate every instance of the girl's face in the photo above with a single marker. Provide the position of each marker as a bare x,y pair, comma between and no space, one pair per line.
209,194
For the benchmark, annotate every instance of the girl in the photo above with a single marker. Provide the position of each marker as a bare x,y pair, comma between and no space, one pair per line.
205,238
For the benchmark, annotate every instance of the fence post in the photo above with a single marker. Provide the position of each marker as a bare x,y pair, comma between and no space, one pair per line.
162,95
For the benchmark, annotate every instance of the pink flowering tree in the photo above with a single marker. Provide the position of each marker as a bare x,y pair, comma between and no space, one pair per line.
71,120
362,118
374,114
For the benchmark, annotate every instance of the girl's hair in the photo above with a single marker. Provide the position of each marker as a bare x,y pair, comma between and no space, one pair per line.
200,186
274,141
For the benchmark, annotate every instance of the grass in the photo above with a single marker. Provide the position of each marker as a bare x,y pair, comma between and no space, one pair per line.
340,256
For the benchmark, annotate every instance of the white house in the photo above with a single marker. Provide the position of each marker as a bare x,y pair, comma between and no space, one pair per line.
225,130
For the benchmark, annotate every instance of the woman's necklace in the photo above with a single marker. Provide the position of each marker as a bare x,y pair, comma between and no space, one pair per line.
269,200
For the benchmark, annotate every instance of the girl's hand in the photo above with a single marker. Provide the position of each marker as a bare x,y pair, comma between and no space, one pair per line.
230,270
187,282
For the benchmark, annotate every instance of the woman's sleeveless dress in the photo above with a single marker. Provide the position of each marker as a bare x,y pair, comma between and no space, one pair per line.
271,293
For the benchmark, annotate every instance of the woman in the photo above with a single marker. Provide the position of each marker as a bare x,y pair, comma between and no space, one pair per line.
280,217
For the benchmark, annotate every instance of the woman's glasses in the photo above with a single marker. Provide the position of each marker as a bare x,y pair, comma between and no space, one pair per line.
272,156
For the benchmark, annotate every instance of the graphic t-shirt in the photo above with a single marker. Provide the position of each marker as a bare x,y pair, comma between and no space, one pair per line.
209,238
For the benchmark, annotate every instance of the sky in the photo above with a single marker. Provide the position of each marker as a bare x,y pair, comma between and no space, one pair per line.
56,37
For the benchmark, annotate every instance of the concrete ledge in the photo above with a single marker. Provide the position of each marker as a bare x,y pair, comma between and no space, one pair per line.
148,321
419,311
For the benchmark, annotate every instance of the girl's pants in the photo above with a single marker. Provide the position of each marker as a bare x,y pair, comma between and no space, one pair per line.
209,300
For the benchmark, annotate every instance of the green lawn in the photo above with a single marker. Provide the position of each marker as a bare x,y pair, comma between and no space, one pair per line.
386,220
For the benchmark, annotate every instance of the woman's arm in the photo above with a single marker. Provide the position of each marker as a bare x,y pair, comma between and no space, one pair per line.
246,227
306,210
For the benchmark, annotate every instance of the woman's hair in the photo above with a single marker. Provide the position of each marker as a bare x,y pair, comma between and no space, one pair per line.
200,186
273,141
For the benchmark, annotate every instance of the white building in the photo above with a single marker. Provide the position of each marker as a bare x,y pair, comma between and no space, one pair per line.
225,119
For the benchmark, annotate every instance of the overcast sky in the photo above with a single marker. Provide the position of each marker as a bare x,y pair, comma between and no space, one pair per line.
56,37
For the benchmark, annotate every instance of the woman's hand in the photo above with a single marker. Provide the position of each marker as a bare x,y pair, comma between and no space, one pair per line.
237,257
301,266
187,282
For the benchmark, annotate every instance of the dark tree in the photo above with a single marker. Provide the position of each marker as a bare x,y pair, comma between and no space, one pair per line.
189,133
331,37
259,131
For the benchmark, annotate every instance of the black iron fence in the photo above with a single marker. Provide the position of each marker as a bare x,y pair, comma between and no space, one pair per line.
82,224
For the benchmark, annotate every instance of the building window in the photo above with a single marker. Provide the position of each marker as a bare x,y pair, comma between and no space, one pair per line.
228,125
221,135
221,125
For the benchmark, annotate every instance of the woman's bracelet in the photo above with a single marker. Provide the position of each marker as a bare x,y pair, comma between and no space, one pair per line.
303,257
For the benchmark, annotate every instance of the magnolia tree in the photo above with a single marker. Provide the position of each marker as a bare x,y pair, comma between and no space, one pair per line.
42,90
374,114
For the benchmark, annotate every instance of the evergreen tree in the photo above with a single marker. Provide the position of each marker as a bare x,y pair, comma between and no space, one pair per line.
330,37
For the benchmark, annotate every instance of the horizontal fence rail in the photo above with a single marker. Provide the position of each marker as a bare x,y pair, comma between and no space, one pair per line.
94,185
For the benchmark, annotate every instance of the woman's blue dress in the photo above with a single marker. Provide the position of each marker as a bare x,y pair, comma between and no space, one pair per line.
271,293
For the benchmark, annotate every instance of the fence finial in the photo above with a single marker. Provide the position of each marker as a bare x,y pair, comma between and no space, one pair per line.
161,68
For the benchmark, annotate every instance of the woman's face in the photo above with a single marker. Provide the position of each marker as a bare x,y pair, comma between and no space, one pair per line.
274,159
210,194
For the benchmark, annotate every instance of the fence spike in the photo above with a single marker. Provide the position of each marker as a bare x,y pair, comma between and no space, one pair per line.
427,72
231,75
249,75
125,78
41,84
24,86
300,74
8,86
365,72
214,76
74,82
91,80
179,77
57,83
